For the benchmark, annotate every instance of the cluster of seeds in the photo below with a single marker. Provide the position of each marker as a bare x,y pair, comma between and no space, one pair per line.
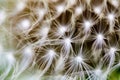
61,39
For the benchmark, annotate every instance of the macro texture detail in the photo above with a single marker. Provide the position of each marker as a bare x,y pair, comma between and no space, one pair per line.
59,39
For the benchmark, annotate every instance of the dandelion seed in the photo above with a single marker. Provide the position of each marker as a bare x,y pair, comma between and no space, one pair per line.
112,50
2,16
28,52
48,59
71,3
111,17
67,43
61,30
60,8
51,53
77,66
98,72
43,34
98,10
111,20
99,39
20,6
10,57
41,12
24,24
79,59
78,10
44,31
87,25
111,56
60,65
115,3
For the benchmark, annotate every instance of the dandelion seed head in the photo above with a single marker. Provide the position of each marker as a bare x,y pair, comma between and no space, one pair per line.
52,27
